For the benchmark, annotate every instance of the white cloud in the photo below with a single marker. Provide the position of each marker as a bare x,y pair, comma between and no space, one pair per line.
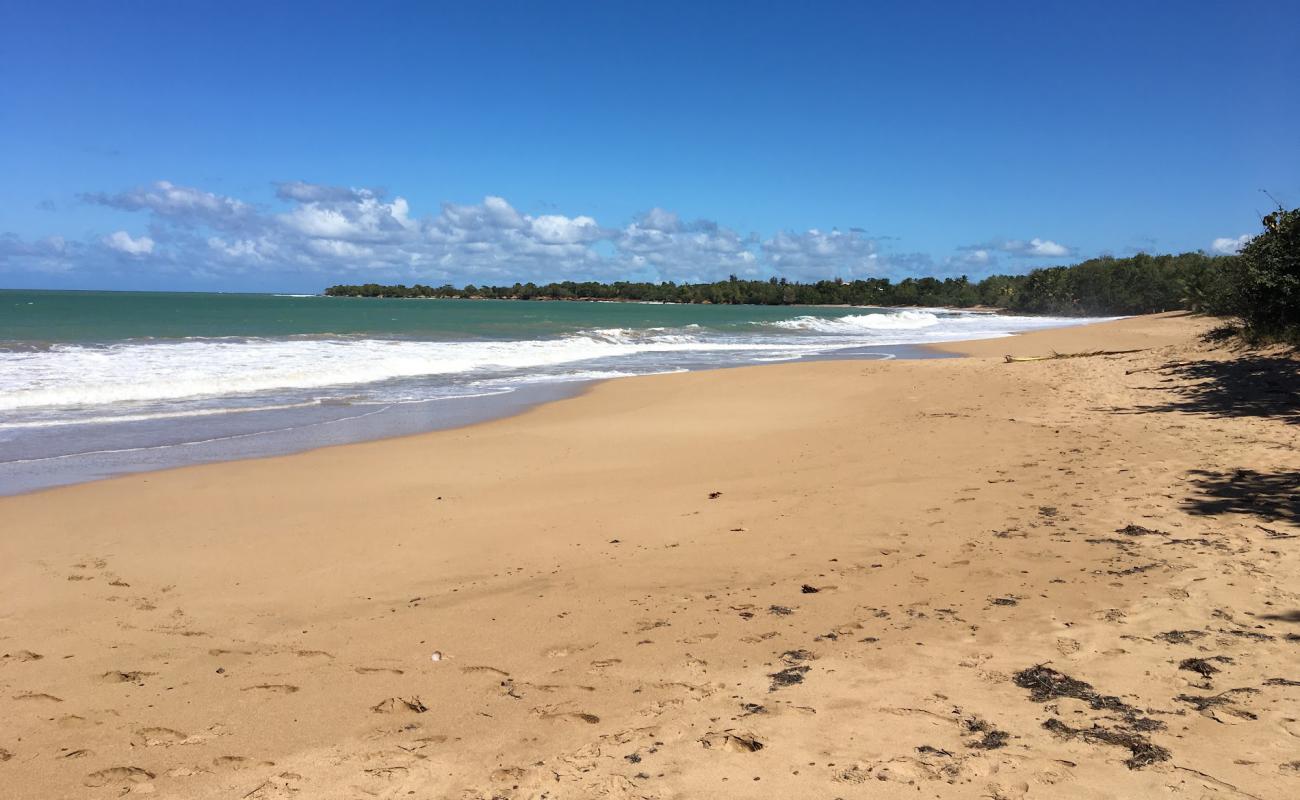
1017,248
1046,247
1226,246
122,242
556,229
815,254
317,193
660,246
179,202
353,234
976,258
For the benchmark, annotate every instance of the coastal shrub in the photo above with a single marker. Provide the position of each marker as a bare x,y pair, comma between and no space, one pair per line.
1264,289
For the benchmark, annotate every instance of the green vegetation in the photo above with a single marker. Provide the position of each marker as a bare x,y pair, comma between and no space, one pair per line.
1135,285
1260,287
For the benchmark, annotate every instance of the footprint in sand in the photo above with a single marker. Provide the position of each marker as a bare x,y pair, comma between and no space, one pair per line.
492,670
566,650
118,776
575,716
278,688
23,655
135,676
731,741
160,737
37,697
377,670
395,704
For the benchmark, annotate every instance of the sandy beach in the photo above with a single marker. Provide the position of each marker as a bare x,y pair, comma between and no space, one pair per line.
956,578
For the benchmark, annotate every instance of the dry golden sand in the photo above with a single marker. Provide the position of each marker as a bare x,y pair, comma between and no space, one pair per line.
264,629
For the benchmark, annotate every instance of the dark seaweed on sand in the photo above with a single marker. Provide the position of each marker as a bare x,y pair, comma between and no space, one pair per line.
1202,666
991,738
1045,683
1180,637
1222,700
795,656
789,676
1143,751
1138,530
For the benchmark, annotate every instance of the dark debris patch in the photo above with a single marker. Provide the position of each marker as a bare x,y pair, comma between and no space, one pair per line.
1254,636
926,749
1202,666
1121,573
809,589
990,738
1045,683
1143,751
1221,701
1180,637
781,611
790,676
1281,682
795,656
1138,530
1003,601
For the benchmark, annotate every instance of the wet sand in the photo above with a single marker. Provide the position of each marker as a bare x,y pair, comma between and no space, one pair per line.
944,578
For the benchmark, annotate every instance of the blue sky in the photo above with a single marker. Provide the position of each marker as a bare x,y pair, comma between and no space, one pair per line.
280,146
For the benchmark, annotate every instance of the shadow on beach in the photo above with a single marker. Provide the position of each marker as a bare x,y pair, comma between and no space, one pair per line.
1269,495
1249,386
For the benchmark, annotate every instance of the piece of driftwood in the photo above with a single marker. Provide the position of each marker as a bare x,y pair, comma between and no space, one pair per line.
1055,355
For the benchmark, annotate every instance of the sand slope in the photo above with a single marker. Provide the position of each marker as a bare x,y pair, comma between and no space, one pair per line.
890,544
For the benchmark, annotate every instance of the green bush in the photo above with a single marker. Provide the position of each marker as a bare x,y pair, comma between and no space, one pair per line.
1265,287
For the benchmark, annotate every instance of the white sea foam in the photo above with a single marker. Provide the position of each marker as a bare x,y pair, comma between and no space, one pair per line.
857,323
920,326
75,375
162,374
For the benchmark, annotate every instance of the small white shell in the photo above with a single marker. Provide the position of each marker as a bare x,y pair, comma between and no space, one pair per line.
437,656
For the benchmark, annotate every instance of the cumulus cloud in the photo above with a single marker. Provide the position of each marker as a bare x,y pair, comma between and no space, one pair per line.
978,257
660,245
183,203
1227,246
319,193
1017,248
51,254
350,234
820,254
123,242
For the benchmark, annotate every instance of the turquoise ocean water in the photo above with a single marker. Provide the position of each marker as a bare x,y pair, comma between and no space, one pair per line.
97,383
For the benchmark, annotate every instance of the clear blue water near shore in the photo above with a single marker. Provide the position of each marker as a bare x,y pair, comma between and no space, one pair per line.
100,383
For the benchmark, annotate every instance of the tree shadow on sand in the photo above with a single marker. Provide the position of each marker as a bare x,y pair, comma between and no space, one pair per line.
1249,386
1274,496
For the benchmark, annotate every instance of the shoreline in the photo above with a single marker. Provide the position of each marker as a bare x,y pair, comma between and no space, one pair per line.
818,579
371,422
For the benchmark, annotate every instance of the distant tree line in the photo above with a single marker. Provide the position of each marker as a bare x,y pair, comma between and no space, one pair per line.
1260,287
1134,285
